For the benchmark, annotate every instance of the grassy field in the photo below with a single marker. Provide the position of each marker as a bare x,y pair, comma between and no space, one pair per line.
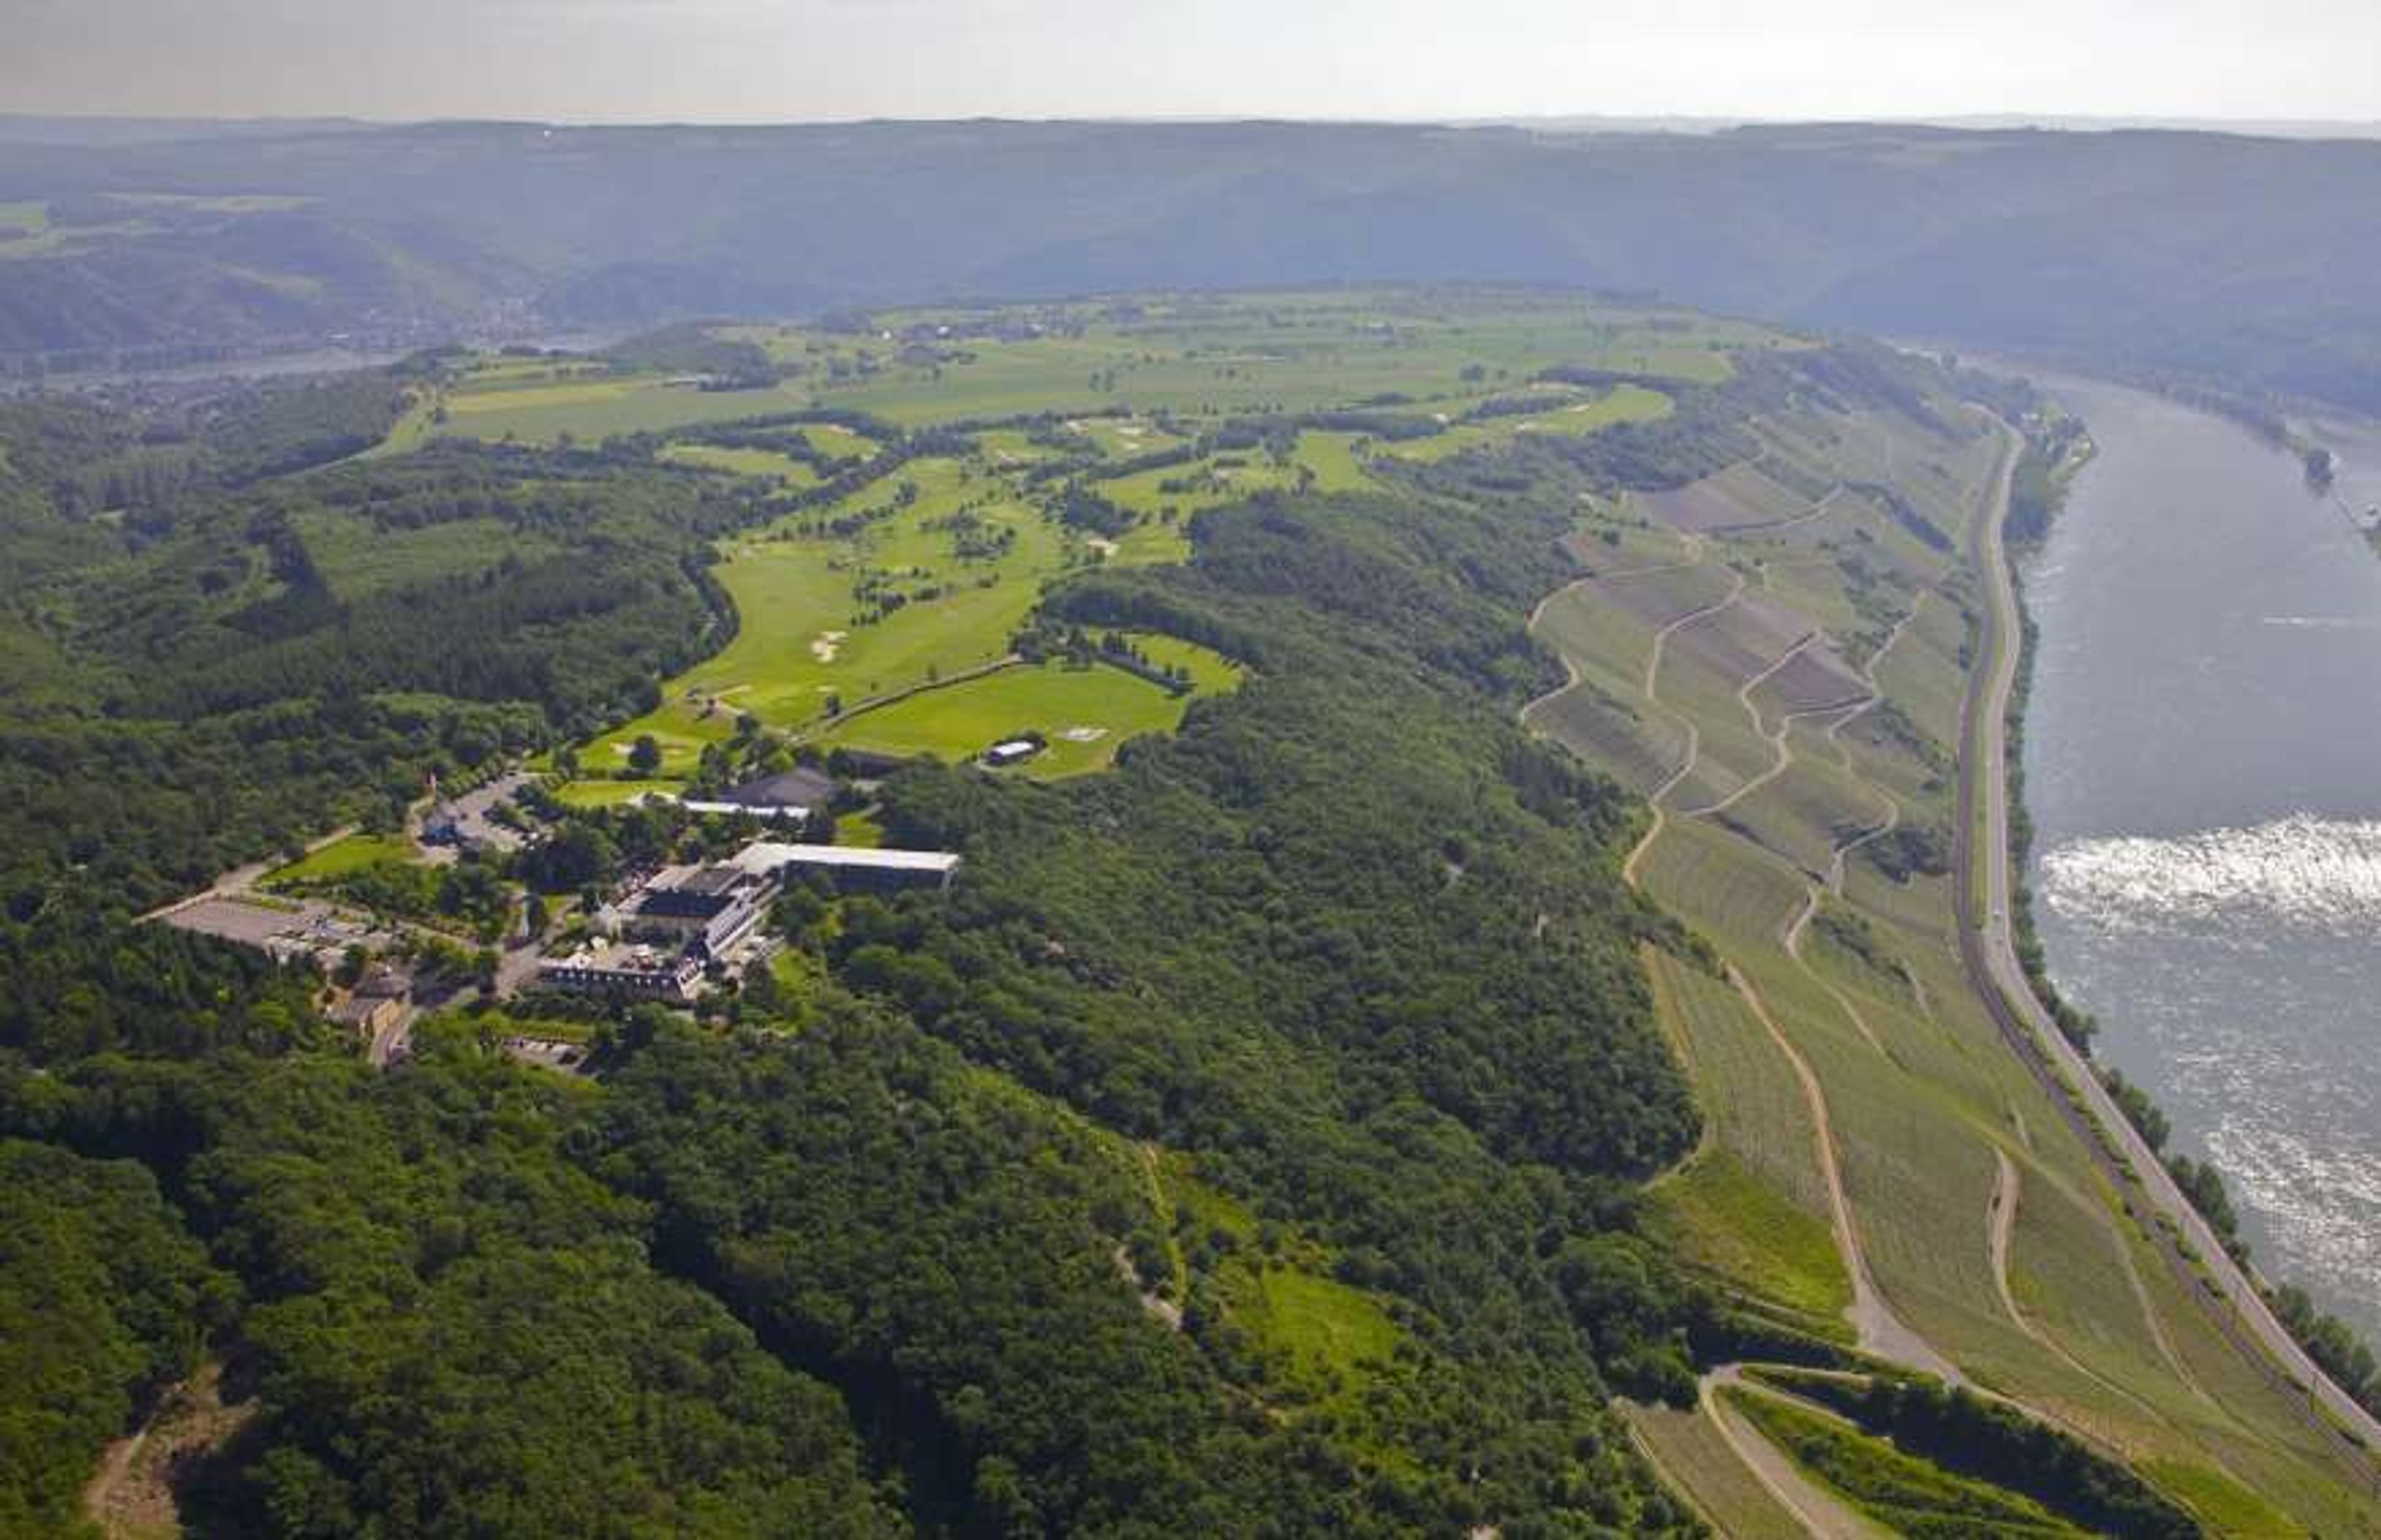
765,464
1199,356
1086,714
1564,412
1721,1215
809,638
542,411
342,858
614,793
1333,1332
1188,357
1326,462
1900,1491
359,558
876,597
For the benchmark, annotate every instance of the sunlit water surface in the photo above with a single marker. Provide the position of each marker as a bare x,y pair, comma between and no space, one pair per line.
2204,769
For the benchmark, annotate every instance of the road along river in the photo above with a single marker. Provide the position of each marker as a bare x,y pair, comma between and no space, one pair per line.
2203,766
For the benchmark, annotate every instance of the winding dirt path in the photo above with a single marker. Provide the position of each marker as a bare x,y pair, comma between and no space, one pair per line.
1818,510
1880,1331
1820,1512
1832,881
1685,766
1782,754
2000,1211
2005,1224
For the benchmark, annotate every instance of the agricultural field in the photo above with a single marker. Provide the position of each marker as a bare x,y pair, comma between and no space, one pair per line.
767,464
544,411
1689,1449
1835,1040
1186,358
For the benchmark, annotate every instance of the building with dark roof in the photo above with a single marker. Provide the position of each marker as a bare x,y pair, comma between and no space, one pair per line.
791,794
799,788
712,908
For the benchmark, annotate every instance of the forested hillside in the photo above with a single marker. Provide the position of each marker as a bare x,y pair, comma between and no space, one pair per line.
2235,262
1256,1138
1248,1148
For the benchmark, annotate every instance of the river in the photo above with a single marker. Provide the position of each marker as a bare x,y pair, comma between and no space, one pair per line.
267,366
2203,766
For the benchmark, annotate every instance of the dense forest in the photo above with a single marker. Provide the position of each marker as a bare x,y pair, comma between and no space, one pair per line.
1248,1144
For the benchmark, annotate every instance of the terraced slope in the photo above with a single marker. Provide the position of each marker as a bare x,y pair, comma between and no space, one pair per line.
1784,683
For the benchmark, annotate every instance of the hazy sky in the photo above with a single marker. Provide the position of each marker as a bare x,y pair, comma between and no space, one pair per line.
757,60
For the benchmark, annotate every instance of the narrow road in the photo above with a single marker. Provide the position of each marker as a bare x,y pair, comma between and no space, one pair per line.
1818,1510
1988,949
1781,755
243,879
1880,1331
2001,1213
1654,797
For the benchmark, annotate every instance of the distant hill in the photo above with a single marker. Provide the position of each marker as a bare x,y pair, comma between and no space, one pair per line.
2238,259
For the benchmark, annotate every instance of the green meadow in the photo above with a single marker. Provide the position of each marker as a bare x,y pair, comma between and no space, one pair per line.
1564,412
809,638
596,407
1085,713
1186,358
341,858
615,793
767,464
882,620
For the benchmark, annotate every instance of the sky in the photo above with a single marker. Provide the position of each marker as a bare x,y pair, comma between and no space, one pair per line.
811,60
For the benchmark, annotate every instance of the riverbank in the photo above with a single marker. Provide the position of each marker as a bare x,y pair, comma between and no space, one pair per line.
1991,938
